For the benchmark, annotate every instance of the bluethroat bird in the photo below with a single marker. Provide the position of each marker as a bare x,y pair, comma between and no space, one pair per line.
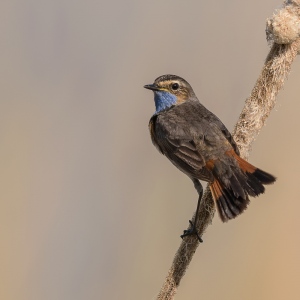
199,145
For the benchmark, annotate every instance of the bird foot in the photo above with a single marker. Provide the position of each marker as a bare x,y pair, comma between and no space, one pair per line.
192,231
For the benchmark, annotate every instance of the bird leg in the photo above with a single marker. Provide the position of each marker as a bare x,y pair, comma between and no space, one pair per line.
193,229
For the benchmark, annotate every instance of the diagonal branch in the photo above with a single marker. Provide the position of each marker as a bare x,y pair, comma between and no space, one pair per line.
253,117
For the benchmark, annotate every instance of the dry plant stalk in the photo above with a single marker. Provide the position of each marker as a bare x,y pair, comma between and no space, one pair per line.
253,117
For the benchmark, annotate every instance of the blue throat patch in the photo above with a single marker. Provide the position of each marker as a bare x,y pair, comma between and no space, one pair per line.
163,100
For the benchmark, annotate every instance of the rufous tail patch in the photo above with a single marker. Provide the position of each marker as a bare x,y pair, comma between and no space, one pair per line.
244,165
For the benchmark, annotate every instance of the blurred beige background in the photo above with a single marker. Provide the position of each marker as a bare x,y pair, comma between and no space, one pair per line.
89,209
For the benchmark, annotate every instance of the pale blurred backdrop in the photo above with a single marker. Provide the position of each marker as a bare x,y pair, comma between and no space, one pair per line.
89,208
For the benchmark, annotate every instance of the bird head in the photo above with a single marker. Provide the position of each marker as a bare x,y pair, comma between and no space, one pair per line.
170,90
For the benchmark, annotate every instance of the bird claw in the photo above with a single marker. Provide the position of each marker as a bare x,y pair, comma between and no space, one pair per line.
192,231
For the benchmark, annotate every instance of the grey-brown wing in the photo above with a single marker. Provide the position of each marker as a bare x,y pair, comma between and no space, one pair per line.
181,148
185,155
217,122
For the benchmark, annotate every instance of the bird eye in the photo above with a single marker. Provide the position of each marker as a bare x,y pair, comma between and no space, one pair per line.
175,86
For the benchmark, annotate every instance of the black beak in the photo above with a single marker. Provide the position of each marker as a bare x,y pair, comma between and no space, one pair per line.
152,87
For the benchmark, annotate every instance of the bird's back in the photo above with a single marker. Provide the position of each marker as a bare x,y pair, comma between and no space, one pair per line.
191,121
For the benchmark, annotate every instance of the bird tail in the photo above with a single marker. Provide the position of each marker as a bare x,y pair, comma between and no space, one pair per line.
231,190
